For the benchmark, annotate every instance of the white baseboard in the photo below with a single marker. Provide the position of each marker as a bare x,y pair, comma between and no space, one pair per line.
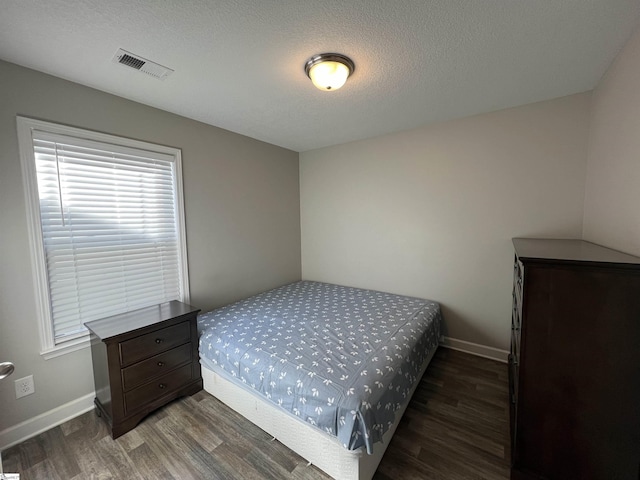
43,422
475,349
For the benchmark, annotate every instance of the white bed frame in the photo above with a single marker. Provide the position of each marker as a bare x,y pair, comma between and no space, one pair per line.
315,446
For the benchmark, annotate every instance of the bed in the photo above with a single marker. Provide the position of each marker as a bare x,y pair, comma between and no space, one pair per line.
328,370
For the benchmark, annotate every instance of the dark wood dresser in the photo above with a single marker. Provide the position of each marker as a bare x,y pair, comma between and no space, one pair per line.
575,362
143,360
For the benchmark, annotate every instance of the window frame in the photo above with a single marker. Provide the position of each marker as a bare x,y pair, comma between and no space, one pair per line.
25,127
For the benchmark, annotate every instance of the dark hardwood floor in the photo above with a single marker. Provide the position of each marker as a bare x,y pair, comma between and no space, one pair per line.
456,427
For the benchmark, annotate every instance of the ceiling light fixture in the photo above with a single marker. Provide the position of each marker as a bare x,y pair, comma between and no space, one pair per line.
329,71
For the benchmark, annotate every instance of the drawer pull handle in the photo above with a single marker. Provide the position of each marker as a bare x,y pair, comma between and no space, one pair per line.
162,385
161,364
159,340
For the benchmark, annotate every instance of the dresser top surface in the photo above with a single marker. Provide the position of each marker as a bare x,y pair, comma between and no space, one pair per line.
109,327
570,251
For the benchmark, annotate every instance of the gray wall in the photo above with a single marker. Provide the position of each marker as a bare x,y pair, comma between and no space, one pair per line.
612,201
431,212
242,217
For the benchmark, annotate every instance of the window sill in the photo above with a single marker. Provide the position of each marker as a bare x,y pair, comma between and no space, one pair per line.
69,346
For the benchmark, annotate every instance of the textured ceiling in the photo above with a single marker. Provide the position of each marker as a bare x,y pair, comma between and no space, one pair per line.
239,63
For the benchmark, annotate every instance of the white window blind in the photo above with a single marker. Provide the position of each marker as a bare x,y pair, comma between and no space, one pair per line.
110,226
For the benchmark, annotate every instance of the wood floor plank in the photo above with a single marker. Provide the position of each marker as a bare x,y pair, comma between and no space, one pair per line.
405,467
191,448
464,419
148,465
30,452
116,459
455,427
11,461
262,463
162,447
43,469
85,426
304,471
130,440
185,415
91,464
440,451
59,453
230,427
227,459
277,453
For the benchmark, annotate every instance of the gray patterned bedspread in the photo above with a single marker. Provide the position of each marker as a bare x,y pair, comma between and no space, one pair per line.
341,359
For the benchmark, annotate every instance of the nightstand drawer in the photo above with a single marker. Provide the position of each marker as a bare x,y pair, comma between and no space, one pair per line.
141,396
144,346
143,371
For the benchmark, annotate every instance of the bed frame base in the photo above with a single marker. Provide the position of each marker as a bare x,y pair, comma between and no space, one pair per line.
315,446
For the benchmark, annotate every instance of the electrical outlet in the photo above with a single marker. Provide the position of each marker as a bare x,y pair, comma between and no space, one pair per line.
24,386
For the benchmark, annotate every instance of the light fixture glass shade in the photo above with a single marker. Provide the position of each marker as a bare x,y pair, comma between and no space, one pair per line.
329,71
329,75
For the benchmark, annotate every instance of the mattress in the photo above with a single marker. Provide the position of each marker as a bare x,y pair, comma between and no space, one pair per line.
341,359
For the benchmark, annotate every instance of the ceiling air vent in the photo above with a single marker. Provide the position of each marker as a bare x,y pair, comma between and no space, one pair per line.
142,64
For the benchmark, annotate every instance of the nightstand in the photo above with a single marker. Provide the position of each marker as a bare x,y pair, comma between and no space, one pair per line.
142,360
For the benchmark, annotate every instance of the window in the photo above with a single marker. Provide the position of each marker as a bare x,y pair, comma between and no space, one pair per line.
106,227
